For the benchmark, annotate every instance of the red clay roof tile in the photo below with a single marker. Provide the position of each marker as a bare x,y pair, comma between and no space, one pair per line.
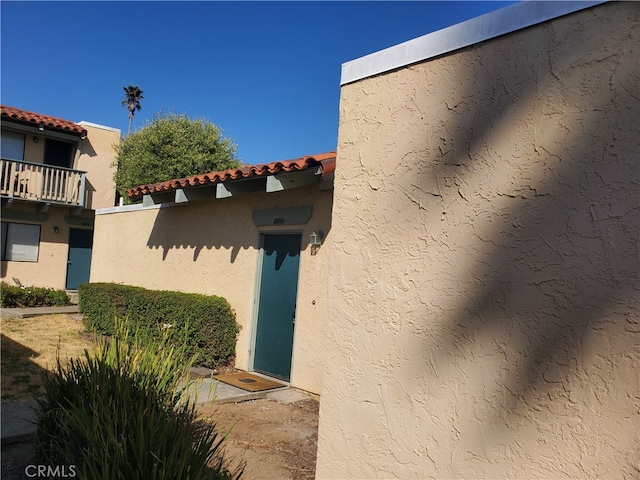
36,119
326,160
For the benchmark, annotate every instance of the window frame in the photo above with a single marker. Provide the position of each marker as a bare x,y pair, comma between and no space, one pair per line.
8,134
52,149
6,228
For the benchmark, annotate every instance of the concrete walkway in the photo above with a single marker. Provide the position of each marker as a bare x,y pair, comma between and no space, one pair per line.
35,311
17,418
17,421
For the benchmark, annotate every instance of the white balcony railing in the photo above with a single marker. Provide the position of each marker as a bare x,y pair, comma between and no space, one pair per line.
41,183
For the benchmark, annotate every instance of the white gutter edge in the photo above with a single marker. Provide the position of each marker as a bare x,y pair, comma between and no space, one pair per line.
133,208
490,25
97,125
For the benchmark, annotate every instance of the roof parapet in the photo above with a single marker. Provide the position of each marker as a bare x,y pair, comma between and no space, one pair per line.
490,25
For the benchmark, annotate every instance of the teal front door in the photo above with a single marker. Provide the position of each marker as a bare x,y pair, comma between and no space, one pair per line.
79,260
277,305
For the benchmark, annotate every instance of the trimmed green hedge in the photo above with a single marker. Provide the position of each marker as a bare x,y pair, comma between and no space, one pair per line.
207,324
12,296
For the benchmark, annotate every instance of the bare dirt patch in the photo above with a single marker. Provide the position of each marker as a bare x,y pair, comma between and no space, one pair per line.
277,441
31,346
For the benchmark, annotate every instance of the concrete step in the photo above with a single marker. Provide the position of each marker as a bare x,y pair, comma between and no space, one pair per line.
73,295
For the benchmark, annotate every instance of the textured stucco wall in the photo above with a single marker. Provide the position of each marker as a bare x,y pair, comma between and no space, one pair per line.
51,268
33,151
96,157
212,247
484,317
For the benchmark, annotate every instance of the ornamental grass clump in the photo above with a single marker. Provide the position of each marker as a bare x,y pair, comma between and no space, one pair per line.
121,413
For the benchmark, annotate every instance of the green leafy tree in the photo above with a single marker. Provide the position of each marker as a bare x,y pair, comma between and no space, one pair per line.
132,97
171,146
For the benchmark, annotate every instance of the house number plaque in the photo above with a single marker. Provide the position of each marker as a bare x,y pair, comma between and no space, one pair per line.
282,216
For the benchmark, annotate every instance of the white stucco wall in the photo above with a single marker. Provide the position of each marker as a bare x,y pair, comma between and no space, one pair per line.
212,247
484,308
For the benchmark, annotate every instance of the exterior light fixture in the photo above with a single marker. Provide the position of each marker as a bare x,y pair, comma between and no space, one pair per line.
56,230
315,239
41,127
35,139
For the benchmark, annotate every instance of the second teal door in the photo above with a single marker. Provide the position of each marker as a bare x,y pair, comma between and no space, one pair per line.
79,260
277,305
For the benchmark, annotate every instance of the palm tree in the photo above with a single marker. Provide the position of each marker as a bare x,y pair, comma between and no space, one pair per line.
132,97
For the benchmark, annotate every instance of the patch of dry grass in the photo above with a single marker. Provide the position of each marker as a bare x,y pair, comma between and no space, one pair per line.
31,346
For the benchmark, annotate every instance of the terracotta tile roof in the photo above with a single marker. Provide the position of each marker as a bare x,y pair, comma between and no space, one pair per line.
36,120
326,160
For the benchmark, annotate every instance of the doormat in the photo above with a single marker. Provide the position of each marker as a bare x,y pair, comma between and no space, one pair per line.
248,381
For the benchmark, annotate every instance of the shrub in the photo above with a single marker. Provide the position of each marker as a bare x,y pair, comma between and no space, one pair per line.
206,324
24,296
171,146
120,414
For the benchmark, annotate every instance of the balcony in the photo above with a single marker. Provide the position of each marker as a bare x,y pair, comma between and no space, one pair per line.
41,183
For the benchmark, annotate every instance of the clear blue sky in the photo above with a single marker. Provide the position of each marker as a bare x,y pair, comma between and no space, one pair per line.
267,73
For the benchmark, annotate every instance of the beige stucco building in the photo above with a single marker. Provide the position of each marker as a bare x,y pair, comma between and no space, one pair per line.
54,174
464,296
243,234
483,279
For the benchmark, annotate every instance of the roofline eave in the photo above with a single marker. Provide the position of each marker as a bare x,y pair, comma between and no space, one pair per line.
181,191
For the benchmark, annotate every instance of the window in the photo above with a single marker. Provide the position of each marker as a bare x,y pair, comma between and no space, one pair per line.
20,242
12,147
57,153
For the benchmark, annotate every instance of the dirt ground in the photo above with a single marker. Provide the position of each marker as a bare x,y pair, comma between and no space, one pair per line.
277,441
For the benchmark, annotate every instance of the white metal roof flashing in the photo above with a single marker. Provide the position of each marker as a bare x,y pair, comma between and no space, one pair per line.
97,125
490,25
133,208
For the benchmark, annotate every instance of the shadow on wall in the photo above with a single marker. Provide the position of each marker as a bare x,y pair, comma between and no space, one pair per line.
555,263
224,223
89,191
87,148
